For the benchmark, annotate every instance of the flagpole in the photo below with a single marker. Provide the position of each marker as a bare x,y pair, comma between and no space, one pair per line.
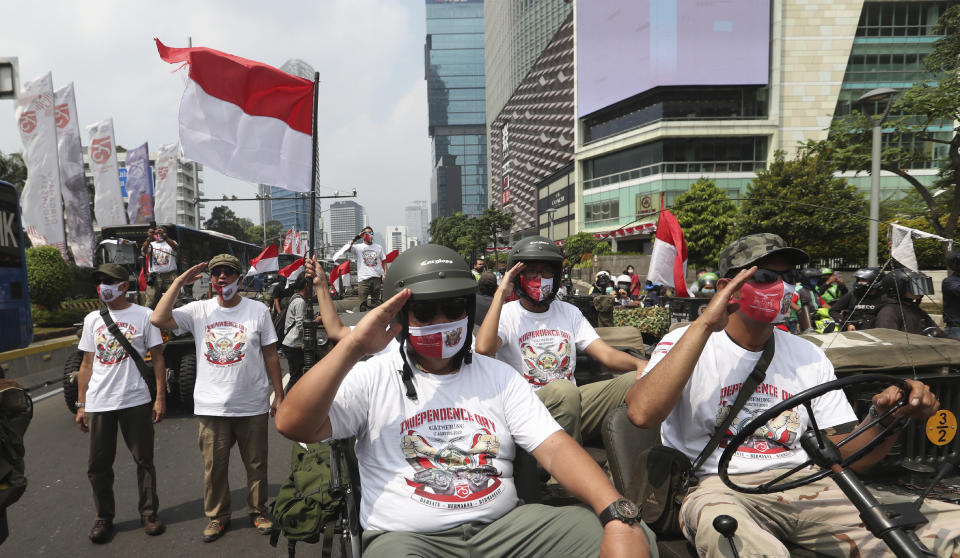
309,323
314,167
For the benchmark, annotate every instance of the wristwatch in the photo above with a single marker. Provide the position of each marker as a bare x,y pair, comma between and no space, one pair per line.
623,510
79,404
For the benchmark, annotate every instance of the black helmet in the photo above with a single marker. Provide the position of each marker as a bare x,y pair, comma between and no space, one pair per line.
808,274
871,279
900,283
953,260
431,272
536,249
868,274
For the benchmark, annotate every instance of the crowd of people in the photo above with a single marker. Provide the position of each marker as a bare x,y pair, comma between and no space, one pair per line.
459,368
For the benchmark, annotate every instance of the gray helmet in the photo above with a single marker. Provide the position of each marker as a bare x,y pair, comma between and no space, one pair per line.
537,249
431,272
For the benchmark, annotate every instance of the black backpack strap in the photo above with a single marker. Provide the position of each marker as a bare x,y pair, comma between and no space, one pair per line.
142,365
749,386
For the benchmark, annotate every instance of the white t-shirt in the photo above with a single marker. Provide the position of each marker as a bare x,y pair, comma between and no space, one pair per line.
116,383
723,366
369,260
162,257
232,377
543,346
445,459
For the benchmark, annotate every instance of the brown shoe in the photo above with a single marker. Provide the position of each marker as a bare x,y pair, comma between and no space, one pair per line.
102,529
215,529
152,525
263,525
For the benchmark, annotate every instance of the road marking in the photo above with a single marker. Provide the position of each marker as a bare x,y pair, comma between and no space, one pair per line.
48,394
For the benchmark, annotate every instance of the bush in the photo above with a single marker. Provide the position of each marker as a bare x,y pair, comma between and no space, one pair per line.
48,277
45,317
654,321
83,285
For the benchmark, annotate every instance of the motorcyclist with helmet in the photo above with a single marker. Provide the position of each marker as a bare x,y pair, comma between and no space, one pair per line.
622,294
600,283
707,284
540,338
950,290
900,308
857,309
830,287
437,428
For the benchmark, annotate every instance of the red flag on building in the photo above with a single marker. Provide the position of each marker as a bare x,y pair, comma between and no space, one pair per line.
668,260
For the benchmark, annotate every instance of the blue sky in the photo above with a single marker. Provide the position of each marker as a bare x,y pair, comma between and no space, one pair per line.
373,106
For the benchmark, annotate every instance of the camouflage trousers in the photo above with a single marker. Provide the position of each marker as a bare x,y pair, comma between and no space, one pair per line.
580,410
817,517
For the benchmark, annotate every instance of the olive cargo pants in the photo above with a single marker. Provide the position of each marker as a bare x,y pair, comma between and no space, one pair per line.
818,517
580,410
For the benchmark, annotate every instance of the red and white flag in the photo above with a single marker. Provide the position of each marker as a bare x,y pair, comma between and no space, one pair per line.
297,244
292,271
288,242
391,256
165,189
668,260
341,271
107,200
266,261
245,119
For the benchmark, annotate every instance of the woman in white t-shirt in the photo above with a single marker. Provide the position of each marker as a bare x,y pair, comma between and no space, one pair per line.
437,430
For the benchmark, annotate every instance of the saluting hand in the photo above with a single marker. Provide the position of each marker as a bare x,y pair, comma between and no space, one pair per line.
506,284
375,330
717,313
193,274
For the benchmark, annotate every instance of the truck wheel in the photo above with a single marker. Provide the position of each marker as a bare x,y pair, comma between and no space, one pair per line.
71,382
186,379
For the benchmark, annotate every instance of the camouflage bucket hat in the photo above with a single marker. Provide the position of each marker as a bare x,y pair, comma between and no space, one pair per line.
745,251
225,260
112,270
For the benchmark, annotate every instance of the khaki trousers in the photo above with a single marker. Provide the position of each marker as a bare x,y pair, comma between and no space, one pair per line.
155,291
217,436
580,410
136,425
817,517
371,287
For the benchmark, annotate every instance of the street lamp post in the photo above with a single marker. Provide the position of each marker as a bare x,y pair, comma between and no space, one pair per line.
876,95
550,213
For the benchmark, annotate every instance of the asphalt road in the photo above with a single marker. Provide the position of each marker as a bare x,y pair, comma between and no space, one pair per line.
56,513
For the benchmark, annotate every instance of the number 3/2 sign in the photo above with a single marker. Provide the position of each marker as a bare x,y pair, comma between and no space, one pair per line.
942,427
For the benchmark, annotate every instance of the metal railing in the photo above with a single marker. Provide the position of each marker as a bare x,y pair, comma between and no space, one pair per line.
675,168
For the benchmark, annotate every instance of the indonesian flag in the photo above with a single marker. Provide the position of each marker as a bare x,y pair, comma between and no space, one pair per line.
391,256
341,271
288,242
668,261
292,271
266,261
297,244
244,118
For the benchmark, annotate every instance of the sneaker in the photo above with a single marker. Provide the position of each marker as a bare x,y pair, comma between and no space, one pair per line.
102,528
152,525
215,529
262,523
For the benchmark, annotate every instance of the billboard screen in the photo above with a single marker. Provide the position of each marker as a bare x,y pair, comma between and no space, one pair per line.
626,47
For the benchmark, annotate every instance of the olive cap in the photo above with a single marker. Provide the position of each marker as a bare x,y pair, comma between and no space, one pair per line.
112,270
431,272
745,252
224,260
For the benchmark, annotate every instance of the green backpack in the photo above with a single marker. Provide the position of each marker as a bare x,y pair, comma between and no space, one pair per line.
309,504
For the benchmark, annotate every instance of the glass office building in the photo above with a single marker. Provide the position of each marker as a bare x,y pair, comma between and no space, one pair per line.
454,59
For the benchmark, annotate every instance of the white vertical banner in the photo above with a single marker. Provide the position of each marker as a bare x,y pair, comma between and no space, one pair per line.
107,200
76,202
40,199
165,190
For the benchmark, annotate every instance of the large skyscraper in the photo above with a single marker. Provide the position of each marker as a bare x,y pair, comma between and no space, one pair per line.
417,221
454,58
346,220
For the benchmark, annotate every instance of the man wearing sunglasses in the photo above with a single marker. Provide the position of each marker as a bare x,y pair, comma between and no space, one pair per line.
695,375
438,427
161,253
113,394
237,365
371,266
540,337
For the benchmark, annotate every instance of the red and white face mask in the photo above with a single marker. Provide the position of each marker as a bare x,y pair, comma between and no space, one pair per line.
228,291
439,341
538,289
766,302
108,293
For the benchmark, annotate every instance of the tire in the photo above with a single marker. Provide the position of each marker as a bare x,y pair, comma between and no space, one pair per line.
71,383
186,379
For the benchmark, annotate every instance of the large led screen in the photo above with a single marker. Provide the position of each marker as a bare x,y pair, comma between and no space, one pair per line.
626,47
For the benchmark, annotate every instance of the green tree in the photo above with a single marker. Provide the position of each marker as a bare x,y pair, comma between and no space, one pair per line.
13,169
223,219
919,109
708,218
804,203
583,244
444,229
498,224
275,233
48,276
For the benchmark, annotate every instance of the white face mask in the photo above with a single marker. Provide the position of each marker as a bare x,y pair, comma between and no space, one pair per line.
228,291
108,293
439,341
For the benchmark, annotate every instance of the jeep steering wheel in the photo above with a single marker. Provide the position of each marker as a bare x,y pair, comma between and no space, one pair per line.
823,469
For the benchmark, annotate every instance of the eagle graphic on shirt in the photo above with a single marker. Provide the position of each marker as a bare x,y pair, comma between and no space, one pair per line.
452,473
109,350
369,258
224,343
546,359
161,258
775,436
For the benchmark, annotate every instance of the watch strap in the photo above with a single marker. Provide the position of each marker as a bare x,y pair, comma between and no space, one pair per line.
611,512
